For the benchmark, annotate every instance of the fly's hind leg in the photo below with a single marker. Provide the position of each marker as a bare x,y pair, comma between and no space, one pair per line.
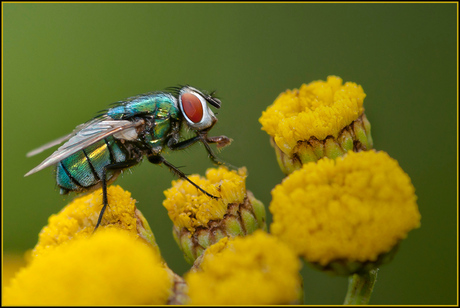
158,159
115,166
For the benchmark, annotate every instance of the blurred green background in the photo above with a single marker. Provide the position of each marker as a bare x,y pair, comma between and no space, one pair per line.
64,62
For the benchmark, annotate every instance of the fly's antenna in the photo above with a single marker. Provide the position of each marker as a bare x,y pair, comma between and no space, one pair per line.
213,100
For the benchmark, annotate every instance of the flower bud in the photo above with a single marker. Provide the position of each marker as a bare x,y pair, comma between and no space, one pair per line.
200,221
321,119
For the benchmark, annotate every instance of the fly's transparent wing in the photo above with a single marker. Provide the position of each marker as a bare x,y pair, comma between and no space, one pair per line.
63,138
49,145
84,136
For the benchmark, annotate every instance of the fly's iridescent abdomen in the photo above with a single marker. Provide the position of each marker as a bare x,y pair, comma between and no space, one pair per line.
84,169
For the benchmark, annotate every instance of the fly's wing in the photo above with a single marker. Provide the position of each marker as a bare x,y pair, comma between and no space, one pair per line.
49,145
62,139
84,136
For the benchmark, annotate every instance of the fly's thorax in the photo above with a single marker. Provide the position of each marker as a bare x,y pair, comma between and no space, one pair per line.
149,104
157,131
157,110
160,115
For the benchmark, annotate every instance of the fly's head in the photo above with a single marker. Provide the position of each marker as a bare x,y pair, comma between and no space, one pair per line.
194,107
199,117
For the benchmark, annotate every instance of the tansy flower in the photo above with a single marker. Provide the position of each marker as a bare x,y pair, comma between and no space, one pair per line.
257,269
111,267
78,219
12,263
321,119
345,215
200,221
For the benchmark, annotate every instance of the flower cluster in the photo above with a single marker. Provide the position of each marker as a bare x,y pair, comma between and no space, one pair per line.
343,207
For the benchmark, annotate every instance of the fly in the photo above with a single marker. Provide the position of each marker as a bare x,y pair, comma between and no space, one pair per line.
96,152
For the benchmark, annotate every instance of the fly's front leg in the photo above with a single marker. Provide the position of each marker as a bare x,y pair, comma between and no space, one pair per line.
174,145
116,166
158,159
221,142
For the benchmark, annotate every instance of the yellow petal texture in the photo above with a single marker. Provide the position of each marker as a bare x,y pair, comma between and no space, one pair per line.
318,109
353,208
254,270
190,208
79,218
112,267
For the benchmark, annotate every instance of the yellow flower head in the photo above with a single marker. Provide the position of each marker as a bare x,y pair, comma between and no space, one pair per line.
253,270
12,263
316,110
189,208
321,119
79,218
200,221
354,208
112,267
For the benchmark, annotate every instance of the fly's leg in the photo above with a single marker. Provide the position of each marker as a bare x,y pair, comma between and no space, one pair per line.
158,159
183,144
221,142
115,166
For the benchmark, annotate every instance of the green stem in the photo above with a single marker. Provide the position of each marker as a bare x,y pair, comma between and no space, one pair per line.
360,288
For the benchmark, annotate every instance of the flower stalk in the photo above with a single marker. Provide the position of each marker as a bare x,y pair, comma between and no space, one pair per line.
360,287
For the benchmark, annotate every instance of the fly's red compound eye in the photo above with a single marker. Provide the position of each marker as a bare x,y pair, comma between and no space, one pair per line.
192,107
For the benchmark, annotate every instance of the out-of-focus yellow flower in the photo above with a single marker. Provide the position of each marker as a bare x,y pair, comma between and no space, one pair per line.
12,263
112,267
200,221
79,218
257,269
346,214
321,119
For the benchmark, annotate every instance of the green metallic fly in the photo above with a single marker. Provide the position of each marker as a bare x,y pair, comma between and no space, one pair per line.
97,151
